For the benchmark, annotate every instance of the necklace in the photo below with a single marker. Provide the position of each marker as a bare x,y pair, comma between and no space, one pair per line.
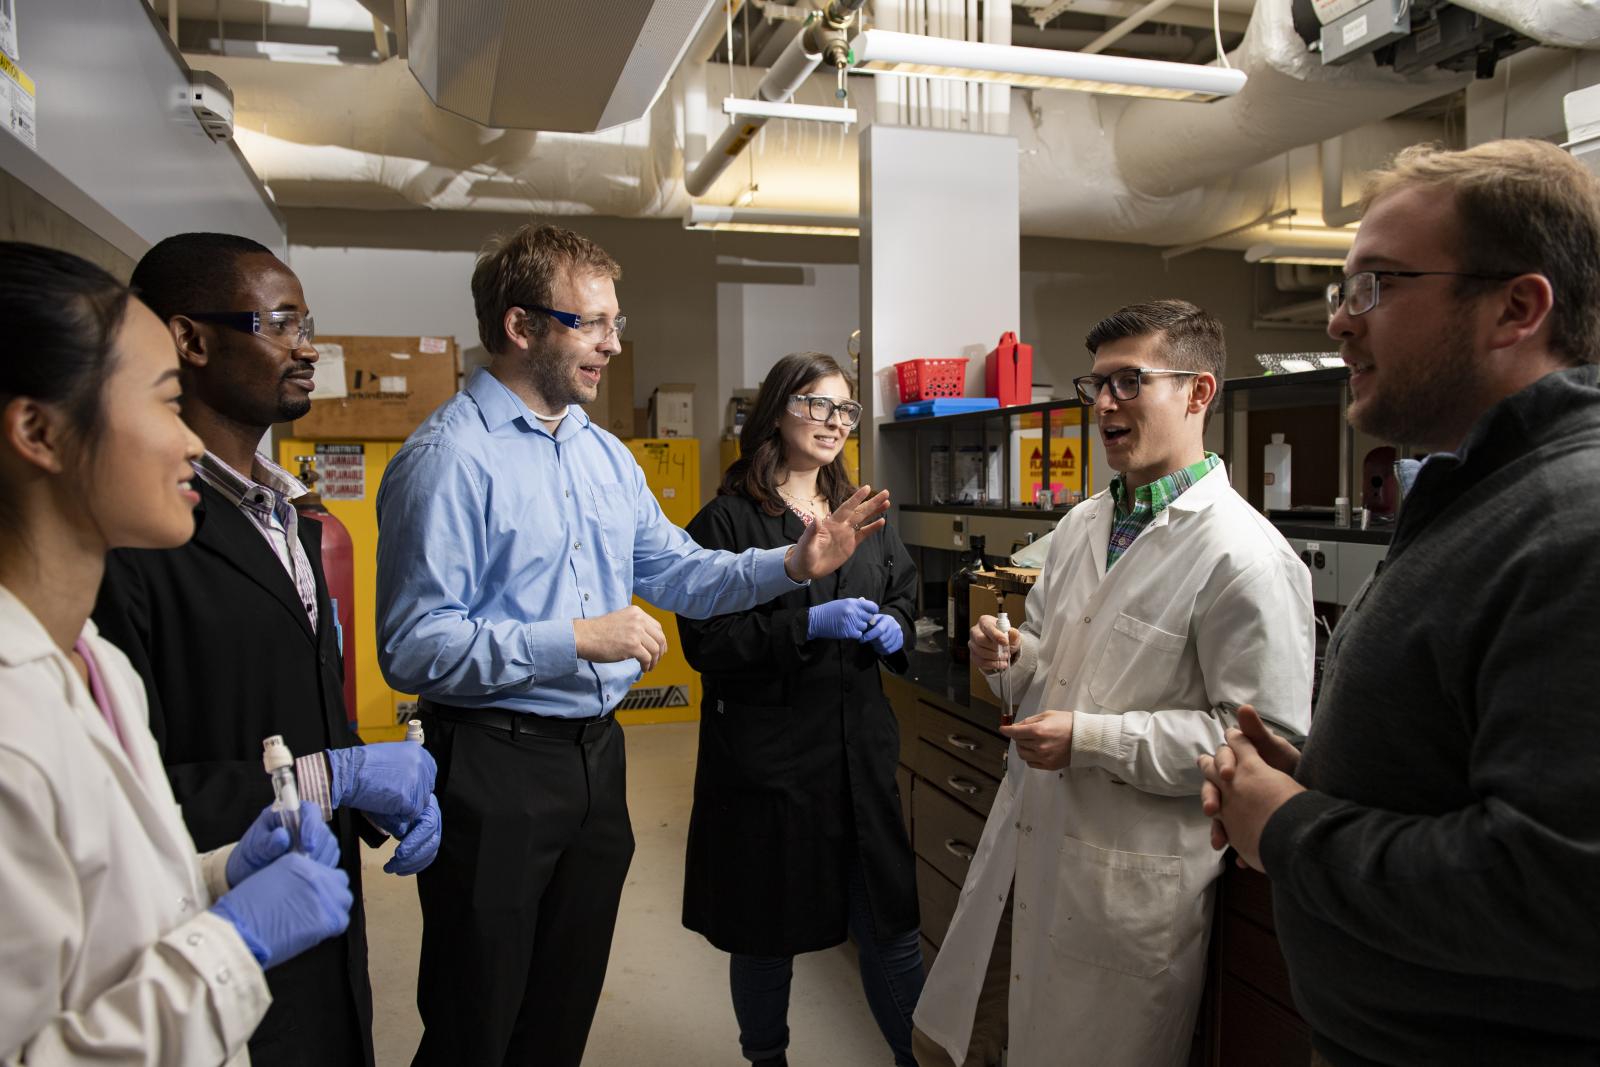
551,418
809,506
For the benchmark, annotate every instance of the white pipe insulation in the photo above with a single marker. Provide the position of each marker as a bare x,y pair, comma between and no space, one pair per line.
792,68
1562,23
1291,99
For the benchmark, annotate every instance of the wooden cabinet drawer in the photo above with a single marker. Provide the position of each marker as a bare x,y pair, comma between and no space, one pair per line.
937,898
946,834
1250,954
979,748
1256,1032
1247,893
963,782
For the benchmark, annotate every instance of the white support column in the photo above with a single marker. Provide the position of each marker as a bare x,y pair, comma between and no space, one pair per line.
939,264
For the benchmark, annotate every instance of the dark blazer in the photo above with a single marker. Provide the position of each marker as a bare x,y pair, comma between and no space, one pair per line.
228,657
798,747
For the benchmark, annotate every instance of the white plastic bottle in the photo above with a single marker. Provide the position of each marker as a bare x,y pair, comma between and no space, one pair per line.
279,763
1275,475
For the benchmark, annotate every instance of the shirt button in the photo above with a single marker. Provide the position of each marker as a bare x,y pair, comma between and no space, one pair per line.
224,976
1086,618
586,598
566,492
1061,681
576,545
195,939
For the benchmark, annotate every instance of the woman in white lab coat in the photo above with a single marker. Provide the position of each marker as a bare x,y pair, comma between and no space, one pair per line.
118,943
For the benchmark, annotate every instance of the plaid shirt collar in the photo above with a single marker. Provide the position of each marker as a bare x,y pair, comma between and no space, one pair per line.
270,487
1137,509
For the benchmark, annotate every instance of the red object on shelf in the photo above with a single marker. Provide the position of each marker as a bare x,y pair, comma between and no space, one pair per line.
1008,371
929,379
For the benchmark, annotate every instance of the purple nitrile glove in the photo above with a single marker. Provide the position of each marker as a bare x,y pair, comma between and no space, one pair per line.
840,620
266,839
387,779
884,635
289,905
419,838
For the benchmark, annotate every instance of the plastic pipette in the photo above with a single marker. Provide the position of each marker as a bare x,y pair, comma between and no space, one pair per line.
279,762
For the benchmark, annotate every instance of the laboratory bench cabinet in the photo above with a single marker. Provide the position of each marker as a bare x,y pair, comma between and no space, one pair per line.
952,760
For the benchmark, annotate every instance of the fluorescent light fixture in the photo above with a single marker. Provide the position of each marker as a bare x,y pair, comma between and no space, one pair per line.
1298,362
755,220
1311,255
738,108
913,56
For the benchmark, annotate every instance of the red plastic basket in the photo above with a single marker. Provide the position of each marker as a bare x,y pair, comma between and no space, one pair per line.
927,379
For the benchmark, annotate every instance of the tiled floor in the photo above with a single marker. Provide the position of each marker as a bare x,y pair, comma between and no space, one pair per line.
666,995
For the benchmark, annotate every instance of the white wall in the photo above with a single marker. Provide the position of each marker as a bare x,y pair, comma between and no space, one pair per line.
801,309
382,291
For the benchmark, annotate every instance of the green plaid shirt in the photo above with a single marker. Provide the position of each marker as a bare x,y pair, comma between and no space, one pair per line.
1134,514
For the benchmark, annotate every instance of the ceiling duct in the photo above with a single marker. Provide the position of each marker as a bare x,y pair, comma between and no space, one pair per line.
573,66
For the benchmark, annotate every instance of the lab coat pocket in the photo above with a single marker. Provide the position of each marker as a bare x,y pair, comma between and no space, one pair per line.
1136,666
1116,910
613,514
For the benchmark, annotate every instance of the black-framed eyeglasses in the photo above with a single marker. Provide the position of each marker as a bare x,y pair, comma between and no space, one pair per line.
1124,383
595,329
285,328
821,408
1358,294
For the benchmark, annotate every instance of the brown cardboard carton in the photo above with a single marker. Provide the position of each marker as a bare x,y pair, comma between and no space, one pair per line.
378,388
672,410
984,599
612,408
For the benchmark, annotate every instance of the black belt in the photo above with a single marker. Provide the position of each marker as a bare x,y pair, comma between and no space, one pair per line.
579,731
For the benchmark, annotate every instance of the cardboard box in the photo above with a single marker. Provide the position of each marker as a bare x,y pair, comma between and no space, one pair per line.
672,410
983,598
1004,589
378,388
612,408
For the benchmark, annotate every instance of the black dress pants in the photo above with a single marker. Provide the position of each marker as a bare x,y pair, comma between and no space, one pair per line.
519,906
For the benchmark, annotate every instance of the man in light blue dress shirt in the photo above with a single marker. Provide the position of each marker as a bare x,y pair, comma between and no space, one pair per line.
513,535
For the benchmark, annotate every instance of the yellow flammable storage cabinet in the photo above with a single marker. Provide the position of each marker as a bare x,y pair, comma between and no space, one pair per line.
671,692
348,473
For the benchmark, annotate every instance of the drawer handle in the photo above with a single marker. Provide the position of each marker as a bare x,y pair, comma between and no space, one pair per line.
959,849
969,788
962,742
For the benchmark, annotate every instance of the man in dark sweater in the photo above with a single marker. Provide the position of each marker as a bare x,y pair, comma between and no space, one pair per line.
1435,852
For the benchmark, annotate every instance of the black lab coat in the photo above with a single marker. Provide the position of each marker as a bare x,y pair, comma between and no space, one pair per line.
228,657
798,748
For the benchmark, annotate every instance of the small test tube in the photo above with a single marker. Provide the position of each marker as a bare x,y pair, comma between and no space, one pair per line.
1008,711
414,730
279,763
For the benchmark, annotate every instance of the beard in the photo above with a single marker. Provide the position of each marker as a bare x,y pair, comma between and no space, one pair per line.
293,408
551,373
1418,401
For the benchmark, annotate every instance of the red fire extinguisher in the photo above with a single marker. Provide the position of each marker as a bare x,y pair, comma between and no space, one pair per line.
338,567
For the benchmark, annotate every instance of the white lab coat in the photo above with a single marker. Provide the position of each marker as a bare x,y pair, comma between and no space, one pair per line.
107,952
1207,610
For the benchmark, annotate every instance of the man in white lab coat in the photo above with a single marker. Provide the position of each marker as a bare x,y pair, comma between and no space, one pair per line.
1165,603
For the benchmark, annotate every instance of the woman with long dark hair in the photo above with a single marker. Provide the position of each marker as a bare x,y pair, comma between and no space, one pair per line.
119,943
796,836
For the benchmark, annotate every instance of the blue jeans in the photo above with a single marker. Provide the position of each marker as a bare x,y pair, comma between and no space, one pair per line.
891,976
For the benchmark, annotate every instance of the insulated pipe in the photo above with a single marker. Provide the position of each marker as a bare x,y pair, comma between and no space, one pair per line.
822,38
1335,212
